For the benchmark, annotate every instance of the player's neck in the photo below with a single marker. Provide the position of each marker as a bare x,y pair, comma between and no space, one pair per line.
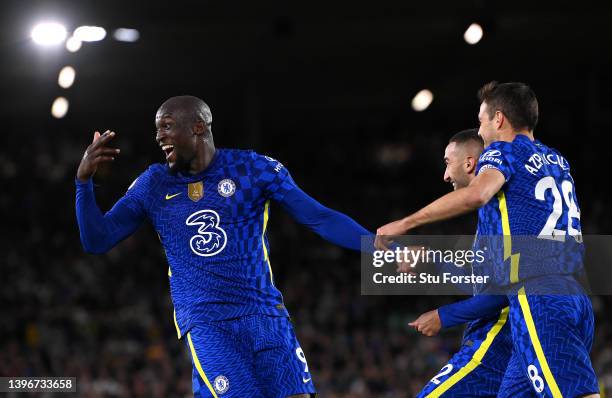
206,154
510,135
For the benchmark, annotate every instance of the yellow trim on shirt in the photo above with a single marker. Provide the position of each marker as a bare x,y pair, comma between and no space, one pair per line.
514,258
178,330
266,215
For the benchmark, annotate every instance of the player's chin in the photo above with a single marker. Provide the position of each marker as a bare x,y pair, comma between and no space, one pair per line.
172,165
176,164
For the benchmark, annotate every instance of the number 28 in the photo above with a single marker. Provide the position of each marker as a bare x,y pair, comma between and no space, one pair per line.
567,188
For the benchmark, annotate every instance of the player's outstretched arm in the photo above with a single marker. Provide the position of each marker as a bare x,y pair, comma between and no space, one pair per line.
100,232
331,225
478,193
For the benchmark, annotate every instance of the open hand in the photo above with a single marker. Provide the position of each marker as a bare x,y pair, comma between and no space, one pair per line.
96,153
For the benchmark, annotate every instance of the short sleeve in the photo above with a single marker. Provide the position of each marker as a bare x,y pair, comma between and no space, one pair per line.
272,177
496,157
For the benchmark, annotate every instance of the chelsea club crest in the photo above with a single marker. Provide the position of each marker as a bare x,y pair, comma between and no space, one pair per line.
221,384
226,188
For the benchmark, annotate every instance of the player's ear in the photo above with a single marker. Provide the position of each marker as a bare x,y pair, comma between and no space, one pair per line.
470,164
500,119
199,128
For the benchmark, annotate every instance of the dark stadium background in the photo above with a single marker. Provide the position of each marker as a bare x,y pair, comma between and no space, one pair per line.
326,88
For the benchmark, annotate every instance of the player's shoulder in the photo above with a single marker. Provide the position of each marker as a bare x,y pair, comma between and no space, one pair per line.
495,150
254,159
154,173
545,148
232,155
250,162
238,157
552,155
156,169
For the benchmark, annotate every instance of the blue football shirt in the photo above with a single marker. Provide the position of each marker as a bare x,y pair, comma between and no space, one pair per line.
213,229
532,226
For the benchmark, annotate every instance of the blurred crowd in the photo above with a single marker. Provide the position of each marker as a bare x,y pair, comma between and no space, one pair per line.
107,320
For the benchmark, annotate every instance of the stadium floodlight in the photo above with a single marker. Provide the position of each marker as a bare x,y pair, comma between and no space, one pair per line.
422,100
73,44
473,34
90,33
59,107
125,34
66,77
48,33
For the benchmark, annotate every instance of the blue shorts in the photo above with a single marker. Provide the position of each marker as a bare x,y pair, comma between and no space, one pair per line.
252,356
552,337
515,384
477,370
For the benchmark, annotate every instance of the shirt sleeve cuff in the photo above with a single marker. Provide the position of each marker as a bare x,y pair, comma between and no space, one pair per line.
78,183
490,166
443,316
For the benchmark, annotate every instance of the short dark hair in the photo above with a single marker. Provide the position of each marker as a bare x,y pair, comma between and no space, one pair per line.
465,136
516,101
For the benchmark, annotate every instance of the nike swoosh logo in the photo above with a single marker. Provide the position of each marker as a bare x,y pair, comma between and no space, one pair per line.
168,197
306,380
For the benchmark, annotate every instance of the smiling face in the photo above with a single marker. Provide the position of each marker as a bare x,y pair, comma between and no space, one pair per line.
184,133
461,156
176,136
456,172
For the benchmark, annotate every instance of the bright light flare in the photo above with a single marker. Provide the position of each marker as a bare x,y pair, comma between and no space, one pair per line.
473,34
90,33
73,44
127,35
422,100
66,77
59,107
48,33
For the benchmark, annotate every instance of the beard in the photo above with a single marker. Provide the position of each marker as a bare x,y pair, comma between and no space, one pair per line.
180,164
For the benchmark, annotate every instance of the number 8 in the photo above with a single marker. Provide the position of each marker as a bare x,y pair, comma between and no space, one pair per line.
535,378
